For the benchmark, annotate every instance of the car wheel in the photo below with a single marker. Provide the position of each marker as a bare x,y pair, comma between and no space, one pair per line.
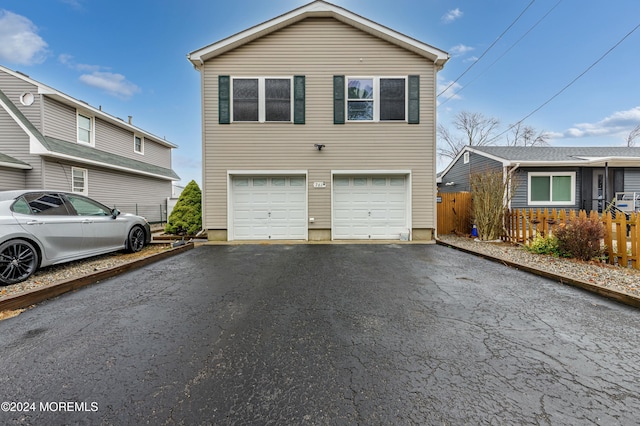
18,261
135,241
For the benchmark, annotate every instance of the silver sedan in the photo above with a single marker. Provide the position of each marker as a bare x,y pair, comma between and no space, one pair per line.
42,228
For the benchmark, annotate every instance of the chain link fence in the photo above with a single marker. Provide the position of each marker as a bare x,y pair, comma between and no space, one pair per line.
153,213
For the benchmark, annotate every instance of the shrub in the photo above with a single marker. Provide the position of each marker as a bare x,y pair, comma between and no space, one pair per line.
580,237
545,245
490,192
186,217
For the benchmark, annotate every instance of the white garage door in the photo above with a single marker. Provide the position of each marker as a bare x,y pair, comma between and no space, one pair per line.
269,207
369,207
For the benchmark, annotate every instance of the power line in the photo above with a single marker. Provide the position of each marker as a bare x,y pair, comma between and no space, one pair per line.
558,93
488,48
503,54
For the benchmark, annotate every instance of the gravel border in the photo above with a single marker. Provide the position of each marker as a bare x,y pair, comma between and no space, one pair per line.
613,278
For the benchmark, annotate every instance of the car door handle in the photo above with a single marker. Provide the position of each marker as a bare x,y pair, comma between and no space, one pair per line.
87,221
35,222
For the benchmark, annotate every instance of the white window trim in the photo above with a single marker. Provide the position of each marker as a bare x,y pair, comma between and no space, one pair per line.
465,158
376,98
552,203
85,173
92,134
141,152
262,109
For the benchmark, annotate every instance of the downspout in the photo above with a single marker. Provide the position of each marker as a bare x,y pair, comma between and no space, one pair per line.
606,185
509,183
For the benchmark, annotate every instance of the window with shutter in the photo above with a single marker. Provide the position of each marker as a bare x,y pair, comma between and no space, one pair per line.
376,99
262,99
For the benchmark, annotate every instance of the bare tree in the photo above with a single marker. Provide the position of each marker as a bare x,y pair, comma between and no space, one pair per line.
633,135
521,135
473,128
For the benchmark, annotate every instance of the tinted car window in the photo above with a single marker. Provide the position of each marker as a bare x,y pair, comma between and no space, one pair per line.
21,206
47,204
87,207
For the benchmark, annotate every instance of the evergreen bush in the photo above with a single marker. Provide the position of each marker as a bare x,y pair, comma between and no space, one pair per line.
186,217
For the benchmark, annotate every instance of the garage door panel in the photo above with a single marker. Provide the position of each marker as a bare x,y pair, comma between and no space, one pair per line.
272,207
373,207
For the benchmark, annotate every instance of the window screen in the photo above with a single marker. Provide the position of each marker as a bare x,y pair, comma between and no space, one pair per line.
277,99
392,99
245,99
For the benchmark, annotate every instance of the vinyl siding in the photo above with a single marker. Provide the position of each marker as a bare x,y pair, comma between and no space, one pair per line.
520,199
12,179
109,187
14,87
460,173
60,120
632,179
319,48
13,140
61,123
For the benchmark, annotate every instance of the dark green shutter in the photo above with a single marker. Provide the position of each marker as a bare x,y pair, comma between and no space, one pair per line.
224,99
414,99
338,99
298,99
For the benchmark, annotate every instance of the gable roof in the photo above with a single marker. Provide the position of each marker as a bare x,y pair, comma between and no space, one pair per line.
561,154
53,147
48,91
535,155
546,156
323,9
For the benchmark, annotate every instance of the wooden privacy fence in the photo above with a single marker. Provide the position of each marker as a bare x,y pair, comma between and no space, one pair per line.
621,239
454,213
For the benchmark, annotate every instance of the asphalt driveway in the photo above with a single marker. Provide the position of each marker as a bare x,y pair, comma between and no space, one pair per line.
323,334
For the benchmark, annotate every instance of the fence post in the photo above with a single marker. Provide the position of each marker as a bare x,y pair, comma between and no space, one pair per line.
635,239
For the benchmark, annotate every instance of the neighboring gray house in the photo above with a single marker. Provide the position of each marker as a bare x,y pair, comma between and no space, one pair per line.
318,125
50,140
551,177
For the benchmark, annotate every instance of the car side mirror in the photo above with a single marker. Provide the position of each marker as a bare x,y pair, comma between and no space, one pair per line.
115,213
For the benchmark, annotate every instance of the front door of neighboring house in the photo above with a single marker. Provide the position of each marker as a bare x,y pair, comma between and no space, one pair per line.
598,201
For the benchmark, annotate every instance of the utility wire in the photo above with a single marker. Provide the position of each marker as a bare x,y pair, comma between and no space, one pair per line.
570,83
487,49
501,56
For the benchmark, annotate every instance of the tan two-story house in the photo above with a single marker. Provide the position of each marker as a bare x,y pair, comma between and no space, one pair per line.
50,140
319,125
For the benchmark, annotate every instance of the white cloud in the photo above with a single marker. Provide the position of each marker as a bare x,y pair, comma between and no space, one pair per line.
450,92
452,15
620,123
67,60
112,83
460,49
19,41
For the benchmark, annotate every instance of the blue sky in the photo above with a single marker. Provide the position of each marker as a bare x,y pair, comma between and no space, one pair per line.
130,58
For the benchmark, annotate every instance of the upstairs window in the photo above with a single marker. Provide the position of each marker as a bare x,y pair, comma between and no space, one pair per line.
138,144
262,99
85,129
376,99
